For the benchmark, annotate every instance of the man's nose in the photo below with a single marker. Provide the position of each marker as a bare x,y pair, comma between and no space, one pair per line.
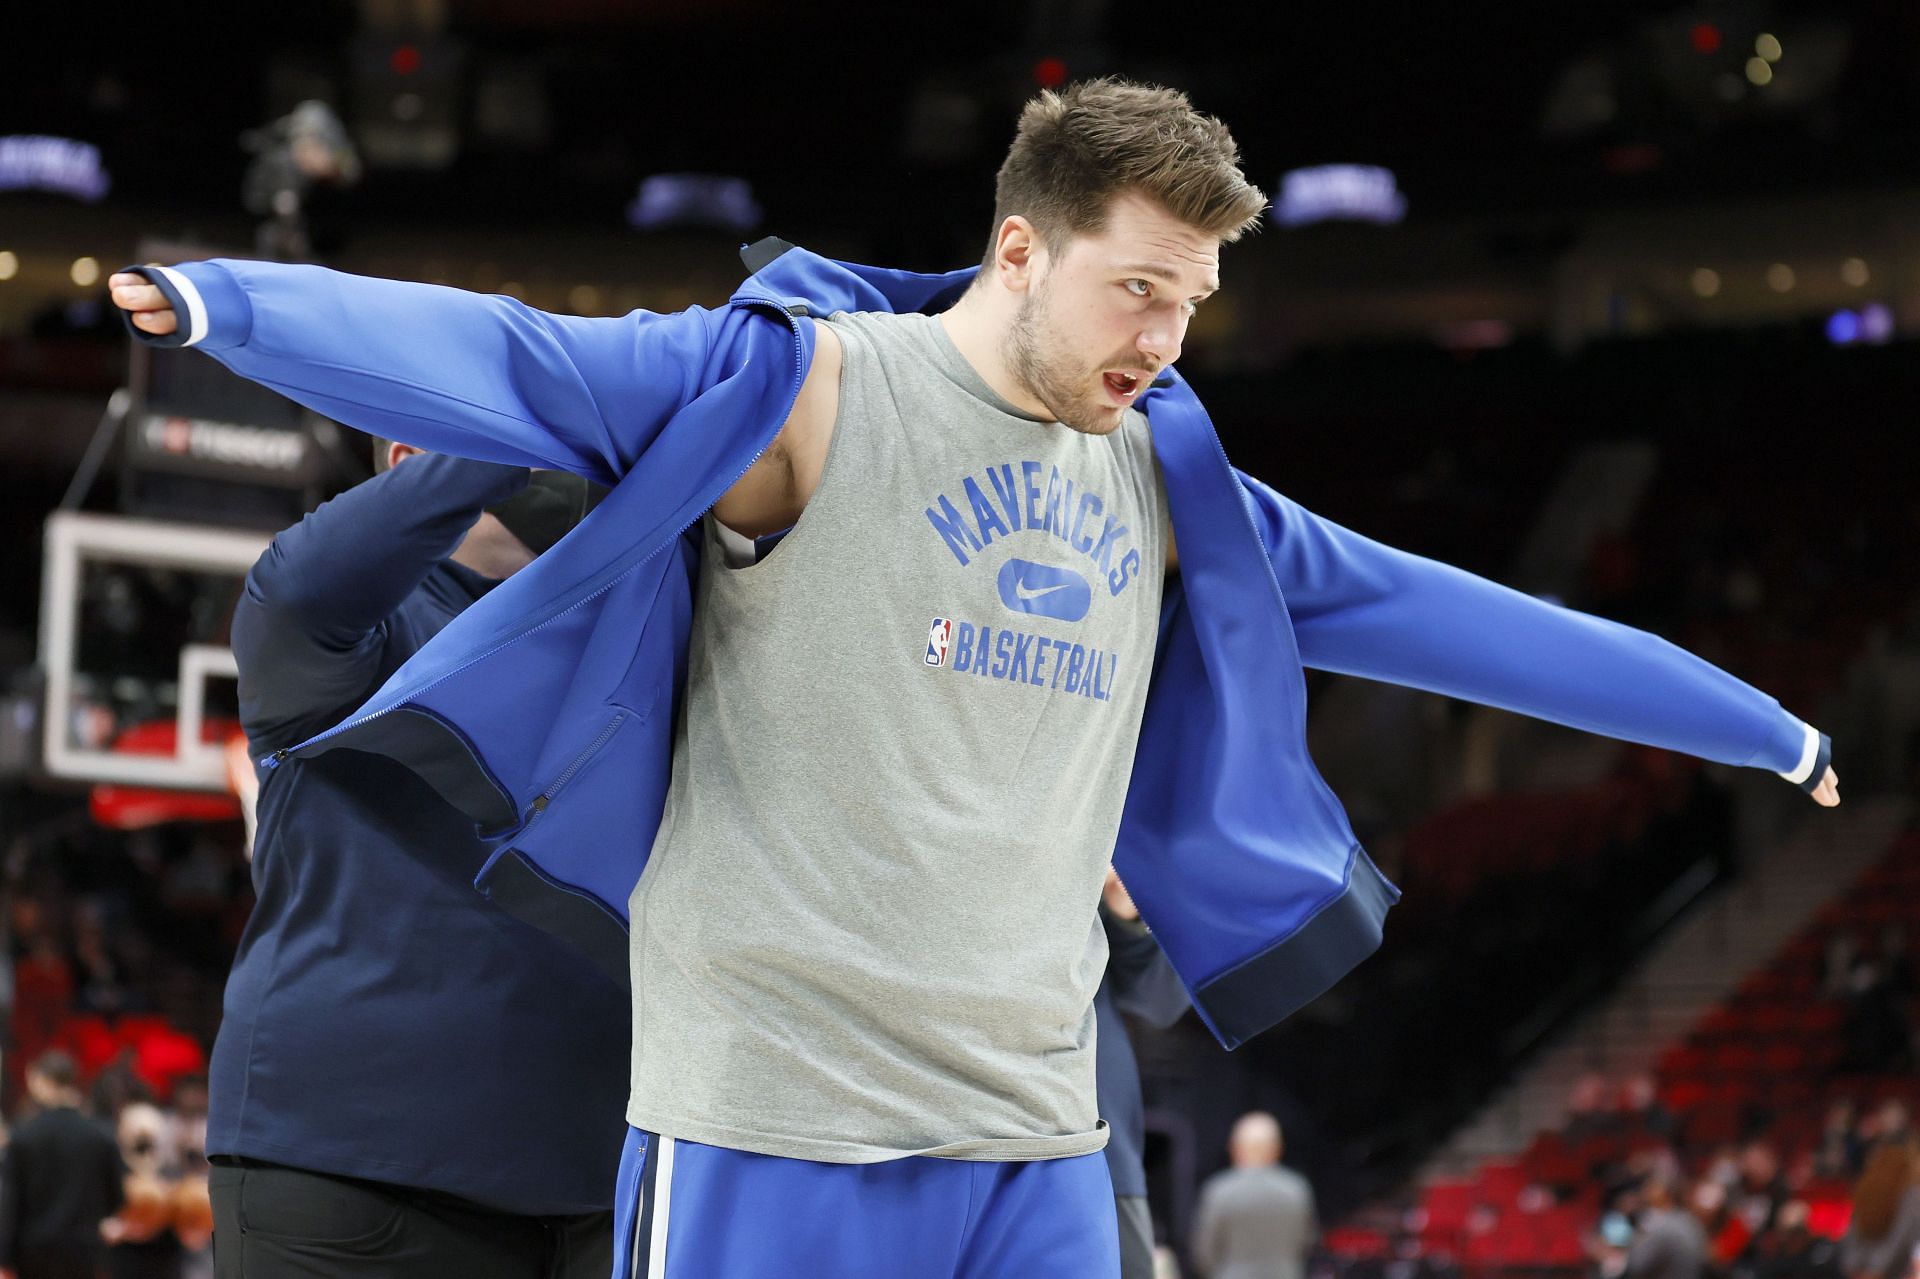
1160,341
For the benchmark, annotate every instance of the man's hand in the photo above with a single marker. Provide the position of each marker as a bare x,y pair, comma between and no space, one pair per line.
1117,898
147,304
1827,793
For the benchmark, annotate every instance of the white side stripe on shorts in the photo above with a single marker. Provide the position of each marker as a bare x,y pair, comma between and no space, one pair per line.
662,1203
647,1248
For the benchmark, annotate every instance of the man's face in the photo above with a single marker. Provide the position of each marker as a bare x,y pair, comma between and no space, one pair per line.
1109,311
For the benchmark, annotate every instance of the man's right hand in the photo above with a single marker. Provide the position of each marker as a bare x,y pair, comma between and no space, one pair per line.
1827,793
148,305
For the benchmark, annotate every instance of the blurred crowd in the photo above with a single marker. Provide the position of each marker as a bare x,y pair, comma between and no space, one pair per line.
115,945
105,1181
1746,1214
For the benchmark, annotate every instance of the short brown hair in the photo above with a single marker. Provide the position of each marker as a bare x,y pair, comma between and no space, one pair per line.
57,1068
1080,146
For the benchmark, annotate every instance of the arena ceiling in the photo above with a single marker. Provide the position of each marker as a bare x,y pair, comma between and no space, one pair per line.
834,111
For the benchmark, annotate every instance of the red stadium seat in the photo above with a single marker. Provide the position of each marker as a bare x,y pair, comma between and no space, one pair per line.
1500,1184
1356,1243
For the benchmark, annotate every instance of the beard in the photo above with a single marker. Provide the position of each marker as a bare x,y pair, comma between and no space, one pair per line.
1030,353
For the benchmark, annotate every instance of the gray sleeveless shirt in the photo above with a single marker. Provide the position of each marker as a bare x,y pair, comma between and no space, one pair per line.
868,927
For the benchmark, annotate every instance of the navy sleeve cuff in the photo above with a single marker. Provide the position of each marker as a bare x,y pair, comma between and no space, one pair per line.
176,298
213,310
1822,759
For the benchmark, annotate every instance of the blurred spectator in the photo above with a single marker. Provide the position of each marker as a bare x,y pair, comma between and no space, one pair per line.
143,1243
62,1181
1876,1037
42,985
1588,1111
1836,965
1758,1189
1622,1185
1839,1154
98,972
1256,1219
116,1086
1726,1230
1790,1250
1641,1107
1669,1241
1887,1124
190,1123
1885,1229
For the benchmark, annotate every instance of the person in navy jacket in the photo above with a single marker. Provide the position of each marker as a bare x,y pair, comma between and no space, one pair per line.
407,1081
1141,984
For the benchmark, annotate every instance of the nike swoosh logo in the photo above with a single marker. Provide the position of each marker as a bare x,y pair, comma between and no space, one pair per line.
1046,590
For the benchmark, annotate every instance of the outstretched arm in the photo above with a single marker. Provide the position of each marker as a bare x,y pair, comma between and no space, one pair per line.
481,377
457,372
1361,608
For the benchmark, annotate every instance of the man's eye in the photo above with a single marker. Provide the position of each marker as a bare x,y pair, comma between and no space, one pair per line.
1139,288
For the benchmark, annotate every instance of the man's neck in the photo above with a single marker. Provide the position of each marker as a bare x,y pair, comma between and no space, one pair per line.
977,325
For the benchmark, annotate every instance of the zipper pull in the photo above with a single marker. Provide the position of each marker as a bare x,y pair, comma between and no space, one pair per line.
276,759
539,803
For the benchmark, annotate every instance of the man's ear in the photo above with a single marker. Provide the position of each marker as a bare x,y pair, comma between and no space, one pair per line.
1018,254
398,453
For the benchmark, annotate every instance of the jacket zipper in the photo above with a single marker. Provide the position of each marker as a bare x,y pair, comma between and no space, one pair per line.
799,376
559,784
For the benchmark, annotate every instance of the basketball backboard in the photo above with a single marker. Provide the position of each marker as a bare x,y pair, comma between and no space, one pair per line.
133,630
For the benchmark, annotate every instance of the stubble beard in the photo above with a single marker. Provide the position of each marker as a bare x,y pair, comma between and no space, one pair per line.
1025,351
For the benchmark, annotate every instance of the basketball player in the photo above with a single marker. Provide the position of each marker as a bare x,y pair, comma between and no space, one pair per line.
967,674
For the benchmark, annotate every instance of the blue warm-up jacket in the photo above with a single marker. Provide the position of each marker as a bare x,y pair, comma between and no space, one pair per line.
1235,850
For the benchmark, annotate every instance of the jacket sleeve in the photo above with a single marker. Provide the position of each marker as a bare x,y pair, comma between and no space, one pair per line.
1139,976
1361,608
456,372
310,631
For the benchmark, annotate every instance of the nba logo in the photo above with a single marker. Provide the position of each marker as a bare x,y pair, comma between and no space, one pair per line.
938,636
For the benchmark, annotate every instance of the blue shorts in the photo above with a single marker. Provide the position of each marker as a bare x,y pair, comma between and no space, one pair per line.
688,1211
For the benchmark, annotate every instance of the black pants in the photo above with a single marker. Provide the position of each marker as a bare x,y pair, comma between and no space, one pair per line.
272,1222
81,1259
1136,1236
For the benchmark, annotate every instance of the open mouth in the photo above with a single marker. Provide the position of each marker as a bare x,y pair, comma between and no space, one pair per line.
1123,386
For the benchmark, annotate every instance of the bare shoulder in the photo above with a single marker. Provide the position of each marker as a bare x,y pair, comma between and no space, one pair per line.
776,489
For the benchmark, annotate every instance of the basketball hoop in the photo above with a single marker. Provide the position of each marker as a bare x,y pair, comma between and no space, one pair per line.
122,807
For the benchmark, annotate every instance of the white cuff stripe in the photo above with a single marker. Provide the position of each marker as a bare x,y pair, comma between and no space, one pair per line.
196,306
1808,753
